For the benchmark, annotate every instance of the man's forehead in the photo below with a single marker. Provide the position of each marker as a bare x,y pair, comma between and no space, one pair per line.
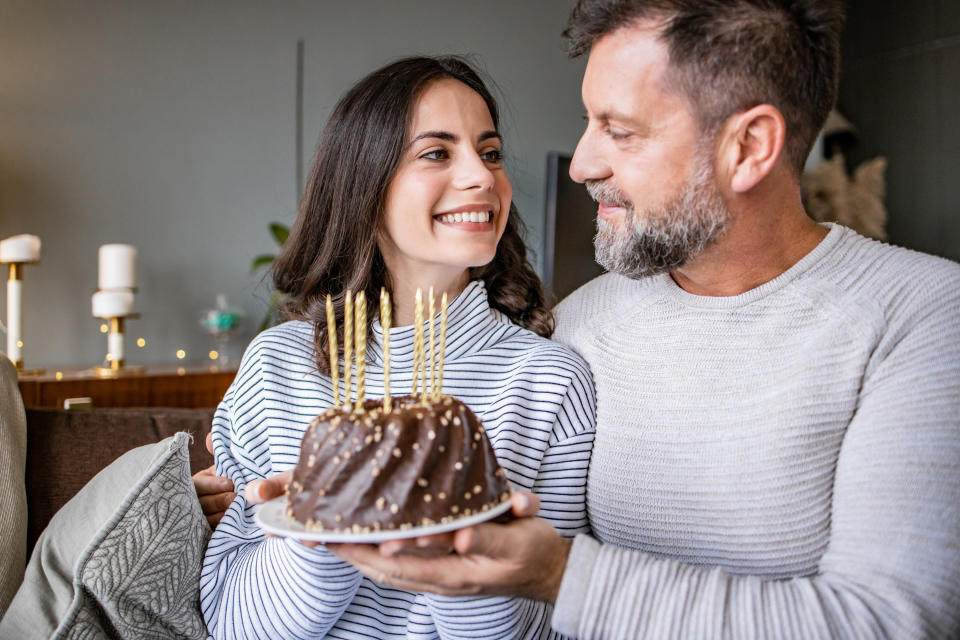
625,70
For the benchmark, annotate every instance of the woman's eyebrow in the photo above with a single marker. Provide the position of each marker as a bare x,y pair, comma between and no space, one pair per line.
442,135
449,137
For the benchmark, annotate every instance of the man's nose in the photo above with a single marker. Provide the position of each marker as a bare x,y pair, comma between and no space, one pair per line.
588,162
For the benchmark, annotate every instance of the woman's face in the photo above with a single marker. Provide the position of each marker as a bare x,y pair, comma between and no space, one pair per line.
447,205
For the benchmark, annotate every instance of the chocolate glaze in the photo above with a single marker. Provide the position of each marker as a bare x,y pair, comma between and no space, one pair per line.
419,465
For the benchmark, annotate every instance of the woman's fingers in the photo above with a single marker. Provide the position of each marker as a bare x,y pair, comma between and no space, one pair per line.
207,482
263,490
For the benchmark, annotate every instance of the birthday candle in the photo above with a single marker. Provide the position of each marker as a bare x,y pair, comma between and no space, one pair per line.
385,324
361,333
334,355
443,343
433,368
347,346
417,340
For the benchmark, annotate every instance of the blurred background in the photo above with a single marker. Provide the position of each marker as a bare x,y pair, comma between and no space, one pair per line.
172,126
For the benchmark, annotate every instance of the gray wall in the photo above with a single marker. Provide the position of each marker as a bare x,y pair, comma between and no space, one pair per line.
169,125
901,89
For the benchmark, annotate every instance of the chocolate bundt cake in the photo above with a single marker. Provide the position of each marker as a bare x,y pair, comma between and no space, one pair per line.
418,465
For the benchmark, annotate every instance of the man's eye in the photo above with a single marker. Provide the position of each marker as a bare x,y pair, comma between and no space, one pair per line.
494,155
617,134
436,154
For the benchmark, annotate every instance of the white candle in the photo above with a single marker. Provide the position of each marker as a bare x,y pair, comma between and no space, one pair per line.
112,304
115,347
117,267
14,298
22,248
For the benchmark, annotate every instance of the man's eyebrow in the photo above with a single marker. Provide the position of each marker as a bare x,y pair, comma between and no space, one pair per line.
608,115
626,119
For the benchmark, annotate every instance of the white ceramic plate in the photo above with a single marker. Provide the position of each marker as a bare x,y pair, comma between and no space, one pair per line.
272,518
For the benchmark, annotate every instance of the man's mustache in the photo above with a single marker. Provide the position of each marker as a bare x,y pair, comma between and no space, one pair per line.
607,193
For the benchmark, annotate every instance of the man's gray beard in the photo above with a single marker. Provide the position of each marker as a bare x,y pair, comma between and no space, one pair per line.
664,238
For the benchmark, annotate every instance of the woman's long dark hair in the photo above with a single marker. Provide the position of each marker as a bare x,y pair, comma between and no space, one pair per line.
332,246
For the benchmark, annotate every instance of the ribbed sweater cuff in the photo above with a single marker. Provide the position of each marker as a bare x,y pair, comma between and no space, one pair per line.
575,584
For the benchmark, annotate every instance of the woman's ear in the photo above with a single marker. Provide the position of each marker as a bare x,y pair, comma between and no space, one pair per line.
750,146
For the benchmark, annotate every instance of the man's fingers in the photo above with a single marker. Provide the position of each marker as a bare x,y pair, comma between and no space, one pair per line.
406,571
489,539
483,540
439,544
260,491
209,442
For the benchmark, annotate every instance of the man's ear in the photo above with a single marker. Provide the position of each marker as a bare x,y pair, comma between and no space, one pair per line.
751,144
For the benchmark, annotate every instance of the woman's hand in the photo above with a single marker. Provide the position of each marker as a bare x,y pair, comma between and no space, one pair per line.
265,489
215,493
525,557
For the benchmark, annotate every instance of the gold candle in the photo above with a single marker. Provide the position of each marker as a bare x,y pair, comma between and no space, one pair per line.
443,344
334,355
433,368
361,332
417,340
347,346
385,324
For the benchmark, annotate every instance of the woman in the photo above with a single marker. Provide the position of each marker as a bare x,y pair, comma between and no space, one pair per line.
407,191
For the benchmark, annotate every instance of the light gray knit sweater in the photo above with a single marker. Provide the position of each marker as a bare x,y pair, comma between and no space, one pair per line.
780,464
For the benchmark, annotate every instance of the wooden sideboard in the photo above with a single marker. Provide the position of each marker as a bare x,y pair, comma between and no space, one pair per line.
187,386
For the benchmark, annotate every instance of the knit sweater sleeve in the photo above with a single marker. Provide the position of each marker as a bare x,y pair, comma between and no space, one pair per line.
252,586
892,564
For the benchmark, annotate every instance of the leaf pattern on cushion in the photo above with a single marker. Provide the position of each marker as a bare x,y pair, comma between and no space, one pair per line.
142,580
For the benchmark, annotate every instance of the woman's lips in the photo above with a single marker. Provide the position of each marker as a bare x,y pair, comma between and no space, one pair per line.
467,220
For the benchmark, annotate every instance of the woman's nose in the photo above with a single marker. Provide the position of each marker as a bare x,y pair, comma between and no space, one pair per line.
473,173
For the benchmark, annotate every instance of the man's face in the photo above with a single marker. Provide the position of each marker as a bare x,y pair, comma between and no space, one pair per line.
643,161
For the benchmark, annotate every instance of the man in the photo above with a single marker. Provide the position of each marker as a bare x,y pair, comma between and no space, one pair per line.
778,429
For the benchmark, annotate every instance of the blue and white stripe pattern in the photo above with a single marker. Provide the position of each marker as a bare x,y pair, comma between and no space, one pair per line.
536,400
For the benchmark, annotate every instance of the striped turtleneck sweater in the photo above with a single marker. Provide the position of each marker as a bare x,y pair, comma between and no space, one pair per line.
783,463
535,398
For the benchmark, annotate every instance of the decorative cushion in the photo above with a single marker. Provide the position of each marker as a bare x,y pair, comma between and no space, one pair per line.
65,449
13,497
122,558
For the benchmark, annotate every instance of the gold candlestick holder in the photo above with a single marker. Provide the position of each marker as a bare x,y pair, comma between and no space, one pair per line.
114,364
15,316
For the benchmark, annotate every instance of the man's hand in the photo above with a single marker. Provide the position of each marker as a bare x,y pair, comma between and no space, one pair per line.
525,557
215,493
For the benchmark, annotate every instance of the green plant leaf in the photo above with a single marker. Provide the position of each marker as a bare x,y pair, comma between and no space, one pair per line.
280,232
273,311
261,261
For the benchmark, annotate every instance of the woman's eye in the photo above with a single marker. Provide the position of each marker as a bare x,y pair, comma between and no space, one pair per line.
436,154
493,155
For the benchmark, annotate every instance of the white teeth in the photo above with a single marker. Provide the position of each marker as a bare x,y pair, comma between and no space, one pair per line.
466,216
